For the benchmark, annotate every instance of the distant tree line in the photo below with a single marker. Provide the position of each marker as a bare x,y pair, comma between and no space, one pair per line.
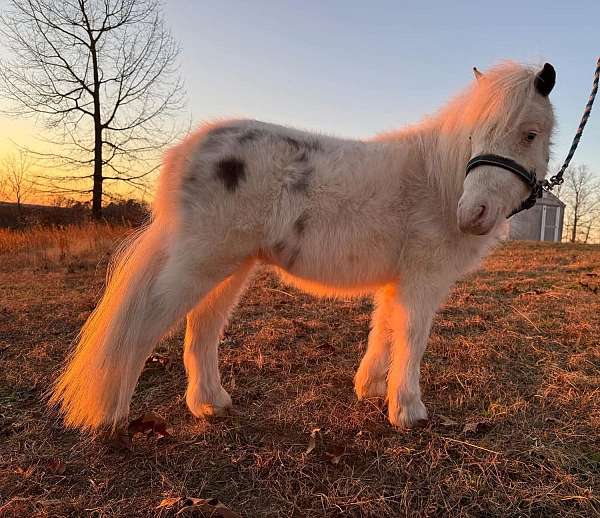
71,212
581,194
23,203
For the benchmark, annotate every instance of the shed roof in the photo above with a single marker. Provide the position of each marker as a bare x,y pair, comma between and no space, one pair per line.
551,199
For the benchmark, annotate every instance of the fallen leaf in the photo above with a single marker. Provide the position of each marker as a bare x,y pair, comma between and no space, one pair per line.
312,442
168,502
552,420
25,472
335,453
147,423
447,421
190,506
476,427
56,467
163,360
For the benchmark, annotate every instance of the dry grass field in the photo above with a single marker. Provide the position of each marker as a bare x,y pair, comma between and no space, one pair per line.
511,378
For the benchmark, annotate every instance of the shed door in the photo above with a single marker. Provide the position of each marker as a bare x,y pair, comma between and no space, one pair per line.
550,221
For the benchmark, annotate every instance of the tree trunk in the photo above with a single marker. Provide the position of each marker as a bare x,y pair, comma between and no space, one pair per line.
587,233
97,189
574,229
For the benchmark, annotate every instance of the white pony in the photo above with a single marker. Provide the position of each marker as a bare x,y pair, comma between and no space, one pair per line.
394,216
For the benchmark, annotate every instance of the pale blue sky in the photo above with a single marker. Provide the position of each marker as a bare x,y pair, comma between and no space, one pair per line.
354,68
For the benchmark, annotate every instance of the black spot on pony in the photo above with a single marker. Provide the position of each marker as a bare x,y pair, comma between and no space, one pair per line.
230,171
300,223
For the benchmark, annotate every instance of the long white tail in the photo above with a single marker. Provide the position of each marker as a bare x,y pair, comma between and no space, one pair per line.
97,384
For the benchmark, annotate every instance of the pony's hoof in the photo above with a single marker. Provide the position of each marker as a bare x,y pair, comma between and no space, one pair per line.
208,410
217,406
411,415
371,389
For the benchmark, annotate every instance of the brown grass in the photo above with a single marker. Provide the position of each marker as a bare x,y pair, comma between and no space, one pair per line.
49,247
511,378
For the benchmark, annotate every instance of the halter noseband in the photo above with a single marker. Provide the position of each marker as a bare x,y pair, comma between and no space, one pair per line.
510,165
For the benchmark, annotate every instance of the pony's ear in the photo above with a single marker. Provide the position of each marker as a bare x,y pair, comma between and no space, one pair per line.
545,79
478,74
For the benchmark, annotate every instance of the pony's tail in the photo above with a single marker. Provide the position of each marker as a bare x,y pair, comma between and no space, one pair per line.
95,388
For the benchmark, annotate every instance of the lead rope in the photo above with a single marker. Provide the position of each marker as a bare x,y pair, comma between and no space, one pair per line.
558,179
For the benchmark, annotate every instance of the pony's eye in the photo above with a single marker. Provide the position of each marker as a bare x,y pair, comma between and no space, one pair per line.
531,136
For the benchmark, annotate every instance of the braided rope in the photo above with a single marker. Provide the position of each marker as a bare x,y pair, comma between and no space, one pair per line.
558,178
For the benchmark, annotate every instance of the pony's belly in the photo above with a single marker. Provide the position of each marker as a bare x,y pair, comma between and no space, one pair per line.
323,289
336,263
336,282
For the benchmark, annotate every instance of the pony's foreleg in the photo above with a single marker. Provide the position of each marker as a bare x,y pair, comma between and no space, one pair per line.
371,376
411,318
205,395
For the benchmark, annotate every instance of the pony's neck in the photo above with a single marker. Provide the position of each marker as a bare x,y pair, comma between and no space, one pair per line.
445,149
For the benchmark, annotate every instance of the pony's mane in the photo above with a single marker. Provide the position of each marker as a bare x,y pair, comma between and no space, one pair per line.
493,105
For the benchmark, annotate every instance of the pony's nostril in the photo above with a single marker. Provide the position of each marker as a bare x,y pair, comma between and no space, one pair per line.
475,218
481,213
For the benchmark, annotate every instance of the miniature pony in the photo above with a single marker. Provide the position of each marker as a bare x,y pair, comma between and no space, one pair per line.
394,217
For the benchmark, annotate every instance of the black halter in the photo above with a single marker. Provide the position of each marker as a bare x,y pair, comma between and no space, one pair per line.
537,188
510,165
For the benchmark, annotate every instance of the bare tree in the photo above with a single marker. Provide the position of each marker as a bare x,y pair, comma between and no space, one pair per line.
3,186
581,193
16,179
102,76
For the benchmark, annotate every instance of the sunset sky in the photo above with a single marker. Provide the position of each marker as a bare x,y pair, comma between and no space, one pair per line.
357,68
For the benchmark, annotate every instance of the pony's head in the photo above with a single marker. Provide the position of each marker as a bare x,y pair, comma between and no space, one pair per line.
507,113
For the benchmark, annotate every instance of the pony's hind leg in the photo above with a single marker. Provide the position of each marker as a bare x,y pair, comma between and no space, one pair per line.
371,376
158,279
205,395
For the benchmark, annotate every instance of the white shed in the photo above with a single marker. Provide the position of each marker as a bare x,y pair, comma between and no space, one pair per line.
543,222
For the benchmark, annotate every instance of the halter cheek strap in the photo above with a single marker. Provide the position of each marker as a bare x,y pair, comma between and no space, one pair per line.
517,169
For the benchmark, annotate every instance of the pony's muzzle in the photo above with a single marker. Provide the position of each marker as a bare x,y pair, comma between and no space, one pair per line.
475,218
